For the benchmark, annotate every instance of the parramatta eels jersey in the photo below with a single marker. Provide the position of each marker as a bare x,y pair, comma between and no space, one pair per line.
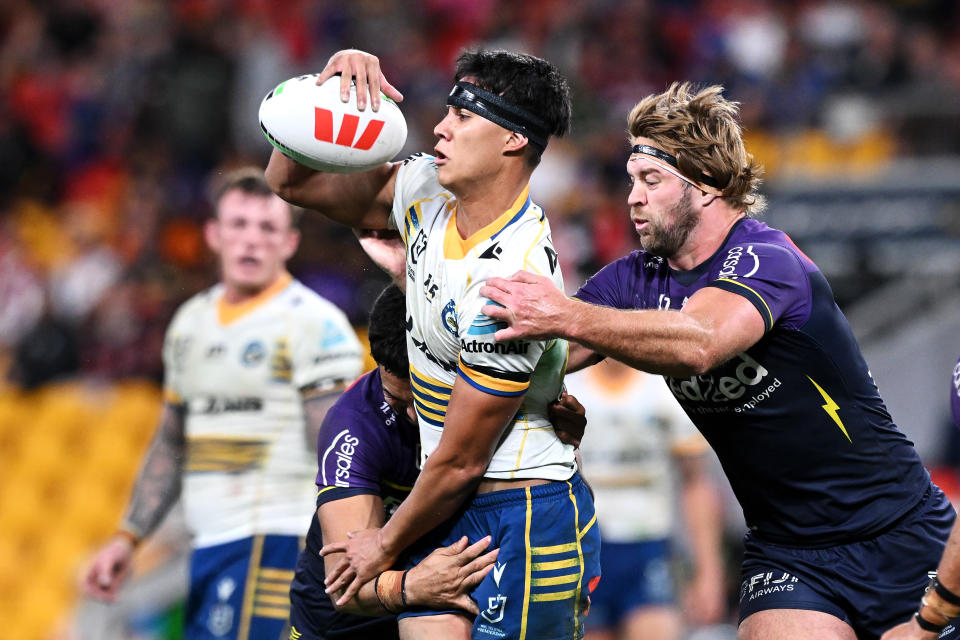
448,336
796,420
239,371
636,428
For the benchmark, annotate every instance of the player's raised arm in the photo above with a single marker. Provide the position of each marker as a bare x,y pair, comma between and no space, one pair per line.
360,200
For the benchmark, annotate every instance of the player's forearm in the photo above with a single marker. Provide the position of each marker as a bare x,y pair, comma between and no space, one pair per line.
288,178
365,603
158,485
442,487
704,520
665,342
358,200
948,571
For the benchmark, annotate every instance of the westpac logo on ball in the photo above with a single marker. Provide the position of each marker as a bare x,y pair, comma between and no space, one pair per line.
312,125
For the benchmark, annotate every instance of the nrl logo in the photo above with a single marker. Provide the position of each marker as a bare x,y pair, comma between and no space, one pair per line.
495,607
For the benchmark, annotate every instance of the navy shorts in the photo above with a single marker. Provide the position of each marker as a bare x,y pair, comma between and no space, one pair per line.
549,559
871,585
240,590
635,575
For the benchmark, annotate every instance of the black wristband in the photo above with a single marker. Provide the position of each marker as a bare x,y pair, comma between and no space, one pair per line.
943,592
926,625
403,589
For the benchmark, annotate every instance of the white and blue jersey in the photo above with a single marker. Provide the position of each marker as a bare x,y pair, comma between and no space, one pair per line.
240,371
448,336
547,535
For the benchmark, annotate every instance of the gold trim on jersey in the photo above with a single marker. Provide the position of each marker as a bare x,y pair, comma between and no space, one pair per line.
413,216
492,385
430,396
256,553
457,248
226,455
228,313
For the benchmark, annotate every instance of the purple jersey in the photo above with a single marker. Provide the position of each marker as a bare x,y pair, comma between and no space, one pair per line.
796,420
363,447
955,395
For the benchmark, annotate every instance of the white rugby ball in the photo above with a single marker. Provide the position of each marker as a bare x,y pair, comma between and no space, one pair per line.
313,126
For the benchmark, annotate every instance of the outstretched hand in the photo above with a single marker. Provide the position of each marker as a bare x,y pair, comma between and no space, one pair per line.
447,576
109,569
364,558
386,249
531,305
364,69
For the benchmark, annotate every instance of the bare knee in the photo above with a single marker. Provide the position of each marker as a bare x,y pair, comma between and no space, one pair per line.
794,624
447,626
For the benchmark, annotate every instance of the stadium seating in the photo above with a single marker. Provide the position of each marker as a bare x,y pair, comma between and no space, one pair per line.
68,456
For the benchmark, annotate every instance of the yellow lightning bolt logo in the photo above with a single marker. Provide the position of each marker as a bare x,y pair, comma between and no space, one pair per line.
831,408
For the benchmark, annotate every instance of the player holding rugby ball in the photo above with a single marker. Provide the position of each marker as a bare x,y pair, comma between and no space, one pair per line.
491,461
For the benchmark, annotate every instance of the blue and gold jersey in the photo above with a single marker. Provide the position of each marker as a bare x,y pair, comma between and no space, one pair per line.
240,372
448,336
796,420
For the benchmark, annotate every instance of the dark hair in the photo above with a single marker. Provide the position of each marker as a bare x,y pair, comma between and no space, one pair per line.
250,181
523,80
388,331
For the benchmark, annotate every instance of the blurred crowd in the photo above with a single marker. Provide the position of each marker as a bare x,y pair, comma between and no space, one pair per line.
116,115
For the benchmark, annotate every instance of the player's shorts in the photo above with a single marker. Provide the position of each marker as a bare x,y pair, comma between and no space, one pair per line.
548,563
635,575
871,584
241,590
313,616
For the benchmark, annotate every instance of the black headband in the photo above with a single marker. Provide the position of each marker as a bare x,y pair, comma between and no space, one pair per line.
672,161
497,110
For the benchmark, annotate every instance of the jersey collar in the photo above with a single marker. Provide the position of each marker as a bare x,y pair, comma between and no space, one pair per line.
228,313
456,248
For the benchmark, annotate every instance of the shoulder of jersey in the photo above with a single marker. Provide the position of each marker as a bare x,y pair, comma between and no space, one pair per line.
532,226
197,303
419,166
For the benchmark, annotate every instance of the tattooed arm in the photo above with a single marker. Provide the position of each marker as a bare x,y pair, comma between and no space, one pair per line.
156,490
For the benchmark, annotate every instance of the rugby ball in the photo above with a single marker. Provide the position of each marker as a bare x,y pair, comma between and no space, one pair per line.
310,124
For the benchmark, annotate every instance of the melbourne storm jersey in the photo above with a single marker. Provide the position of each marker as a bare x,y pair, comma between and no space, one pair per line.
448,336
796,420
239,370
364,447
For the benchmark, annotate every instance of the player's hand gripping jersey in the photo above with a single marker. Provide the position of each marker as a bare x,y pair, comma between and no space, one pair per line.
796,420
447,335
240,372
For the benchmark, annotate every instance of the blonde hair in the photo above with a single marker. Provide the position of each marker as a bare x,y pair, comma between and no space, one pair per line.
701,129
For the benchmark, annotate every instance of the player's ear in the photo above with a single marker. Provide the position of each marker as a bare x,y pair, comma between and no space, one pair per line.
706,199
211,233
291,244
515,142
